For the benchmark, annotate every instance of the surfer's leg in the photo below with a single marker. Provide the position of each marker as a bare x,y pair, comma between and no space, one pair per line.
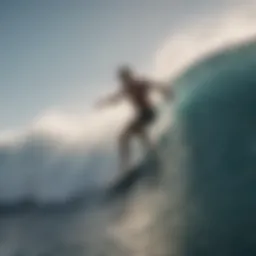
124,146
137,127
123,151
146,141
146,119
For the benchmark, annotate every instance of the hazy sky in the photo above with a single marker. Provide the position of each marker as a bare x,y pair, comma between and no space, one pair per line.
61,54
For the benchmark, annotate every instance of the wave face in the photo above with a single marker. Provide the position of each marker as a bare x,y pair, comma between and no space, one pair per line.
216,126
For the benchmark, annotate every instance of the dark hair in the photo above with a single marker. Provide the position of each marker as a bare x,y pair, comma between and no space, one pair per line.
125,71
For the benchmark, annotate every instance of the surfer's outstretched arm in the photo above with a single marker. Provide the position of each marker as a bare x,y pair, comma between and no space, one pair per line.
165,90
110,100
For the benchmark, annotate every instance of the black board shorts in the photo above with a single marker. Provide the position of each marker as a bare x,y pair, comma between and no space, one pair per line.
146,116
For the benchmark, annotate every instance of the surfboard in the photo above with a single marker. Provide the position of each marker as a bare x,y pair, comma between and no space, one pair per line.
148,168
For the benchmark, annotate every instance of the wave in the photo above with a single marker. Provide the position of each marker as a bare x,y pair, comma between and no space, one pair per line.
215,114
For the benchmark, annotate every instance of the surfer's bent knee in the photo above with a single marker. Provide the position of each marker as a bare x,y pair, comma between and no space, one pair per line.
124,136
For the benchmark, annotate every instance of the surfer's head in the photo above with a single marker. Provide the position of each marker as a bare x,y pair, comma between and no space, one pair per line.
125,74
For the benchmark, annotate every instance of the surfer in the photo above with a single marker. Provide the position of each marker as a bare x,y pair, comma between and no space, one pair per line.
137,92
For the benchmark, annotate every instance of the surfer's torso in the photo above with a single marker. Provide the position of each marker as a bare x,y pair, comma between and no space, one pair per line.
138,94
